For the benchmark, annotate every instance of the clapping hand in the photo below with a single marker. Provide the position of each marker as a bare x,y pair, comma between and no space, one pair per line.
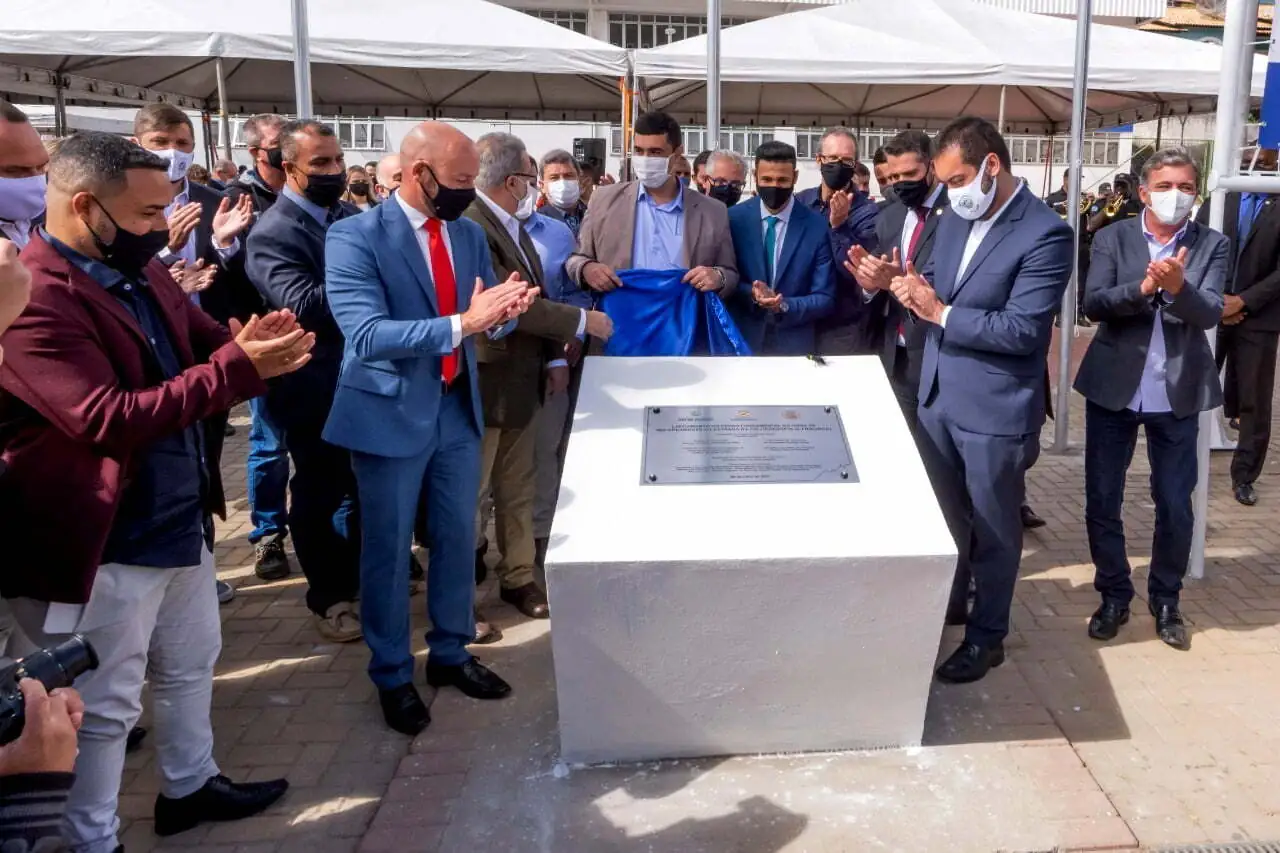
839,206
15,284
766,297
870,272
182,221
1169,274
493,306
276,355
195,278
917,295
230,222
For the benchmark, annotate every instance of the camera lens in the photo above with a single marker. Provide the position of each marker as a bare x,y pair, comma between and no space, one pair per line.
60,665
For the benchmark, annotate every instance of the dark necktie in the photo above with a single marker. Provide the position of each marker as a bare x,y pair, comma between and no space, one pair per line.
922,216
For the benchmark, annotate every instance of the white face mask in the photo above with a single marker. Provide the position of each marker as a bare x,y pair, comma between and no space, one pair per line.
526,205
179,162
650,171
564,193
1172,206
970,201
22,199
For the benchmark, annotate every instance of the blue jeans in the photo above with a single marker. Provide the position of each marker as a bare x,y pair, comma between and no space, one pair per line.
268,474
1110,439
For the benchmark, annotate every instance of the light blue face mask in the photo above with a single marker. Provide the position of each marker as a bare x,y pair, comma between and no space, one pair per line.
22,199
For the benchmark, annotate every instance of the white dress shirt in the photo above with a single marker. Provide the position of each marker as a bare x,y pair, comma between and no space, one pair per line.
909,224
514,229
977,233
188,251
418,222
779,230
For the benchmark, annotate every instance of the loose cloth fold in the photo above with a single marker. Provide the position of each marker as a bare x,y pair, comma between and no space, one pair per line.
655,313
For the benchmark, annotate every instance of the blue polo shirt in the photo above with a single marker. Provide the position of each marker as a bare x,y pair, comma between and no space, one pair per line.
161,521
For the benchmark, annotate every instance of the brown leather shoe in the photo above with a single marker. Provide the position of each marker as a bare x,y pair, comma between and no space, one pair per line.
486,632
529,600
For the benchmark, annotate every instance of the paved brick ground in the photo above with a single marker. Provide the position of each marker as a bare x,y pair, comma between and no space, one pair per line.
1072,744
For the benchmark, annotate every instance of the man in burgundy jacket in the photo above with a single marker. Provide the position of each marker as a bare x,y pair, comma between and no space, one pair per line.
105,505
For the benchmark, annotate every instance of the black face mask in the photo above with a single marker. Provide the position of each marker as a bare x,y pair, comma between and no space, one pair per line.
726,194
359,188
449,202
325,190
774,198
913,193
836,175
128,252
275,158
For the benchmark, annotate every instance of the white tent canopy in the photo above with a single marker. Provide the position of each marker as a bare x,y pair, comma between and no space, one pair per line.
857,63
423,58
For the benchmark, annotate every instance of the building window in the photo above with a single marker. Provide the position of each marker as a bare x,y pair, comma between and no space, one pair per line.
576,21
636,31
1100,149
355,134
743,140
809,142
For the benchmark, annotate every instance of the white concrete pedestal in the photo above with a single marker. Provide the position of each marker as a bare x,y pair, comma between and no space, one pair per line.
694,620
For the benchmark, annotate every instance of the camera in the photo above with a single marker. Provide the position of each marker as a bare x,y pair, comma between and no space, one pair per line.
57,667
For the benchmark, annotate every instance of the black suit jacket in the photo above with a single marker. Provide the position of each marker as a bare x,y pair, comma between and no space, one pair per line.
1254,269
884,313
285,261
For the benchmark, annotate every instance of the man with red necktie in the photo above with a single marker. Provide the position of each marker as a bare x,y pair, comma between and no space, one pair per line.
410,284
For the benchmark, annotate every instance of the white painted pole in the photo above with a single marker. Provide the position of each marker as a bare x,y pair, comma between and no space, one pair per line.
1000,118
1236,36
224,119
301,59
1079,92
713,74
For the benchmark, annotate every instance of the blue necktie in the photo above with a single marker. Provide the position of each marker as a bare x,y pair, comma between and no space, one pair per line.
1249,206
770,245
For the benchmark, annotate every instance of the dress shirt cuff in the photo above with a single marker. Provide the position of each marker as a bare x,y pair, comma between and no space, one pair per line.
867,295
558,362
786,306
942,321
582,324
455,320
1164,297
229,252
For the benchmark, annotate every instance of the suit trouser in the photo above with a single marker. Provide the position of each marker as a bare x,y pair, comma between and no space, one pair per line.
508,468
905,389
981,482
445,477
1110,439
1248,392
324,517
144,623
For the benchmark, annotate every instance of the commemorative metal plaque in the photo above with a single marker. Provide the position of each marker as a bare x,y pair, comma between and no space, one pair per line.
688,445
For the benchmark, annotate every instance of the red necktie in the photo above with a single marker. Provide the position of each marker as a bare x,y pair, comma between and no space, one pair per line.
446,290
922,215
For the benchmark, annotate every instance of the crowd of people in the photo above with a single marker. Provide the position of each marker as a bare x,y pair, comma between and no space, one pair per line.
409,336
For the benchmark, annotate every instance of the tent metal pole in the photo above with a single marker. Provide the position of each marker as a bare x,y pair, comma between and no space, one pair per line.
1237,32
713,74
301,59
59,107
1000,118
224,120
1066,332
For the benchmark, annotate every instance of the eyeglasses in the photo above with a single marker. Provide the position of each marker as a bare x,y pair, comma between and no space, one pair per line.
720,182
823,159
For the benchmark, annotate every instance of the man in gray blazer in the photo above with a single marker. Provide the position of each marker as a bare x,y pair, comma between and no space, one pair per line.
1155,285
654,222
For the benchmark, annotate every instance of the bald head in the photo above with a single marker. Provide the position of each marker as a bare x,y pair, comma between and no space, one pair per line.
388,173
433,155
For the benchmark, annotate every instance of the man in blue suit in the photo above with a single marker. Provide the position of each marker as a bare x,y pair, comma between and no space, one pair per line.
783,249
407,285
990,292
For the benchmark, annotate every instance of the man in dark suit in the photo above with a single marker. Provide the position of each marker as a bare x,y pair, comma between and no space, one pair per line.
783,250
22,185
990,291
286,263
1250,331
905,229
515,370
106,378
1155,286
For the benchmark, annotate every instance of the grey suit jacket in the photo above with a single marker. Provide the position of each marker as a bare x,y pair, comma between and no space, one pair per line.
609,229
1112,368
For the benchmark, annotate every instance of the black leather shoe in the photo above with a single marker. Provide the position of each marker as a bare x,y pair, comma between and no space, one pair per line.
482,570
1246,494
472,678
270,561
219,799
529,600
1170,627
404,710
133,740
486,631
1107,619
970,662
1031,521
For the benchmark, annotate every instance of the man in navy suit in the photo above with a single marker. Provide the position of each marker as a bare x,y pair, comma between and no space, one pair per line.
286,262
989,292
407,282
783,249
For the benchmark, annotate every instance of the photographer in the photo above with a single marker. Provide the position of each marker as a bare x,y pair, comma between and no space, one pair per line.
36,770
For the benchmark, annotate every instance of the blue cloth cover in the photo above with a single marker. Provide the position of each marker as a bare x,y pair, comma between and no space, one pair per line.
655,313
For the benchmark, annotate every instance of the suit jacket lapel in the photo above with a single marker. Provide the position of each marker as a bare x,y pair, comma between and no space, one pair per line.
1002,228
462,262
790,242
930,228
629,197
535,262
497,230
947,256
1263,209
402,237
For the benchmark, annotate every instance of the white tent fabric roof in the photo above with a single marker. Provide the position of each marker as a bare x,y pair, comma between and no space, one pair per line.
420,56
857,60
